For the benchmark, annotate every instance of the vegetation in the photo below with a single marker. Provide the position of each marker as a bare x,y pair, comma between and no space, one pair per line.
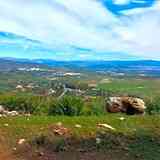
134,138
40,105
139,87
153,105
68,105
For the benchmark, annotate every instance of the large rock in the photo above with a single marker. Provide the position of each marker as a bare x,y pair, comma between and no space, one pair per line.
129,105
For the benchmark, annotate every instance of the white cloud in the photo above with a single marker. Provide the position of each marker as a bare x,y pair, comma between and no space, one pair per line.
84,23
121,1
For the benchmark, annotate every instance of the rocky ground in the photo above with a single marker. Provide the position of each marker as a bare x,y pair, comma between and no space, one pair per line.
80,138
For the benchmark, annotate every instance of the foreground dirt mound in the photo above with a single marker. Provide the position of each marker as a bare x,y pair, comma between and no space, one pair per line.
129,105
5,154
30,153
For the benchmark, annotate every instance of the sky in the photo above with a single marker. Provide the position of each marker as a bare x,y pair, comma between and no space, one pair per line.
80,29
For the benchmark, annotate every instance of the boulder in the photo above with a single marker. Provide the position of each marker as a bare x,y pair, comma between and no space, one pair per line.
128,105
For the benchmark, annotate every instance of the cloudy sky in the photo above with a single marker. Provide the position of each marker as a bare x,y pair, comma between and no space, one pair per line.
80,29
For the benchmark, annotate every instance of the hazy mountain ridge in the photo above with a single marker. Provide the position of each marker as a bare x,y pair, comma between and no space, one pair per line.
8,64
139,66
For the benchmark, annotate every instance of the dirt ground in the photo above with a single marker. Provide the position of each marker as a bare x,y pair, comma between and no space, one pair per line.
31,154
27,152
5,154
72,156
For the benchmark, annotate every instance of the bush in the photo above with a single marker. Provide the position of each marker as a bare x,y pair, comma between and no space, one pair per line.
68,105
18,103
26,103
95,106
153,106
41,105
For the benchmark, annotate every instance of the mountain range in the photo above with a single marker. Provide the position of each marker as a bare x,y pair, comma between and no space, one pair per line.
148,67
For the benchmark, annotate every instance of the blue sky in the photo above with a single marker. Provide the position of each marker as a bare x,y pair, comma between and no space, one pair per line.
80,29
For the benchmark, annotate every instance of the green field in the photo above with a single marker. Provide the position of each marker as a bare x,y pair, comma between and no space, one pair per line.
134,86
134,138
142,87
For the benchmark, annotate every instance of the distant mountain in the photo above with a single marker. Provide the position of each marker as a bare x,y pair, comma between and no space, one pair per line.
11,64
148,67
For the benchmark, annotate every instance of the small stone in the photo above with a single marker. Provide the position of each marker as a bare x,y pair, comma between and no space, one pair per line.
103,125
40,154
78,126
60,130
98,140
59,124
122,118
21,141
6,124
14,149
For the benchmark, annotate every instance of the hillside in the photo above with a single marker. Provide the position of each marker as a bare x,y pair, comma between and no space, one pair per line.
61,110
34,138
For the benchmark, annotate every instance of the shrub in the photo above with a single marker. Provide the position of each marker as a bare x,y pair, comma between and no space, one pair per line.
95,106
18,103
42,108
68,105
153,106
26,103
41,105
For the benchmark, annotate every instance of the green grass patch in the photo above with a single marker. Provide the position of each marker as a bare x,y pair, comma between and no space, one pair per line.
136,136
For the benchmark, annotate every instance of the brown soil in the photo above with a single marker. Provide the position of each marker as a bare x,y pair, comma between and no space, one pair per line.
26,152
29,153
5,154
75,156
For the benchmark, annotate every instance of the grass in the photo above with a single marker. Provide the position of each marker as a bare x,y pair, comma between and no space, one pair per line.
143,87
139,134
25,127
